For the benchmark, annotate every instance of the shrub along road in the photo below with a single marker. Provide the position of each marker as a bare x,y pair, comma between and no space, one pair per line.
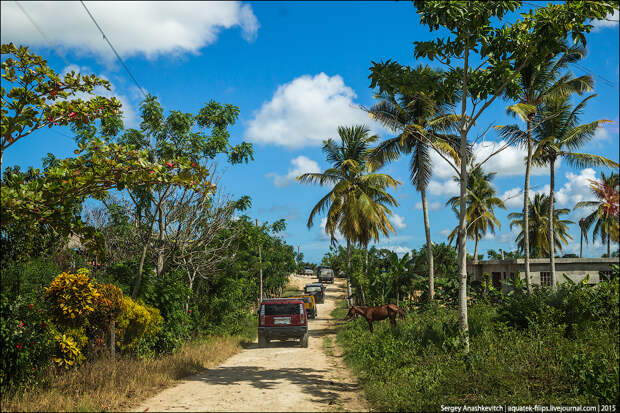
282,377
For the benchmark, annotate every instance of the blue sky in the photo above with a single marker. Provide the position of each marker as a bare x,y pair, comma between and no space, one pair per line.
296,70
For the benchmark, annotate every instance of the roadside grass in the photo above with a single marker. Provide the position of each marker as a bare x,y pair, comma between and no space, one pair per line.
291,290
106,385
418,365
327,346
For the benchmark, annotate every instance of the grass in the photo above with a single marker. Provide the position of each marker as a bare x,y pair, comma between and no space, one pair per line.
291,290
121,385
418,366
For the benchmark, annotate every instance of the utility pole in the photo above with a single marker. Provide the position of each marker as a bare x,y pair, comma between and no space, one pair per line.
298,260
260,265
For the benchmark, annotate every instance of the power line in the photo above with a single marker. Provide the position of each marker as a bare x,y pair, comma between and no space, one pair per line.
36,26
113,49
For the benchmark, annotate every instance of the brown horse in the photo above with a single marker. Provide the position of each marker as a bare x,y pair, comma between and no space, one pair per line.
377,314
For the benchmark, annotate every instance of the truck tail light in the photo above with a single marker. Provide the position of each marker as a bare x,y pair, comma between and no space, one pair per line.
301,313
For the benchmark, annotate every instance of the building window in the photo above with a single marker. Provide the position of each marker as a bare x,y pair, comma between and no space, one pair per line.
545,278
496,279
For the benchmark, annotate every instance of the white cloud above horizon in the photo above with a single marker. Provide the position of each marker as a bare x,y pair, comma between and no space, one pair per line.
611,20
398,221
306,111
301,165
432,206
133,27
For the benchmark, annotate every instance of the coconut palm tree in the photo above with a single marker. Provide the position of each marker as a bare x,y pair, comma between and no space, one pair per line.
606,210
481,200
540,81
557,136
583,233
538,210
418,117
358,203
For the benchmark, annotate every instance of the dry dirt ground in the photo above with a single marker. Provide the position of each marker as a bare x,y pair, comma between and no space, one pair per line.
281,378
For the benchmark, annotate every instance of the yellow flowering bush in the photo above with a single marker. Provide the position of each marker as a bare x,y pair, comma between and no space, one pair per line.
73,295
107,306
137,321
69,351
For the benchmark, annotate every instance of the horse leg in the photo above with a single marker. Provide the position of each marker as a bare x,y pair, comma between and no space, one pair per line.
370,326
393,319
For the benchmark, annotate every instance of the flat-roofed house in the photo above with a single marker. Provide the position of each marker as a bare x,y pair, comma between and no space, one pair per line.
575,268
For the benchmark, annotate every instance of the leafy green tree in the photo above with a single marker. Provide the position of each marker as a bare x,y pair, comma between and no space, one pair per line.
494,255
605,215
558,136
541,80
539,227
485,57
481,201
39,97
177,140
412,102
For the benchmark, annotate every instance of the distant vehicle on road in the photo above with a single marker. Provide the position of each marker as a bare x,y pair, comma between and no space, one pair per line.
310,303
316,289
282,319
326,275
308,271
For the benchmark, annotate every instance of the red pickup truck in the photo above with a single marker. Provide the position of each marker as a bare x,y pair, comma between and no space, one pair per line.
282,319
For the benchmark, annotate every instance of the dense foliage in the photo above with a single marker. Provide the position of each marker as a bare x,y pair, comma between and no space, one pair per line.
550,347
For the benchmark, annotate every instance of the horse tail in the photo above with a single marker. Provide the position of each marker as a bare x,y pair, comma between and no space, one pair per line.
401,313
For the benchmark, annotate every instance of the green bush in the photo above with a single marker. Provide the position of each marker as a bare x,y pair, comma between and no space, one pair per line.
25,343
594,375
137,327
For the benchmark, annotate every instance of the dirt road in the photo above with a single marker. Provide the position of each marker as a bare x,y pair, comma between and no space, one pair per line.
282,377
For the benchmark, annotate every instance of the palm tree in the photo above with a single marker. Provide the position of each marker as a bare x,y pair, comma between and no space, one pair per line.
480,202
583,233
418,116
538,210
357,204
539,82
557,136
606,210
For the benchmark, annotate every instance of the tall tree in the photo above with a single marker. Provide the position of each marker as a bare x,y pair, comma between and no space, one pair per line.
480,202
38,97
538,210
606,210
484,58
557,136
412,103
541,79
357,204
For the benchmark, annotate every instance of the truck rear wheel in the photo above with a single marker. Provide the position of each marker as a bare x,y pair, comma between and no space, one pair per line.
304,341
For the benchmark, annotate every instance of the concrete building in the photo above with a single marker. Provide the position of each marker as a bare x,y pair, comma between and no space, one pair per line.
575,268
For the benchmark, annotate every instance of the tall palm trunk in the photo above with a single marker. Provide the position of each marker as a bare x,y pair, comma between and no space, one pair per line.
476,249
551,234
429,248
526,205
349,272
462,232
581,243
608,246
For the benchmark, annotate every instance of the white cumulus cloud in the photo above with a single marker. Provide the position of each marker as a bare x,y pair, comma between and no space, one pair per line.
398,221
307,111
133,27
446,188
509,162
611,20
301,165
433,206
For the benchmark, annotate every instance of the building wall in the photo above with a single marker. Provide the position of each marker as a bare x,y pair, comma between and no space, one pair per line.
575,268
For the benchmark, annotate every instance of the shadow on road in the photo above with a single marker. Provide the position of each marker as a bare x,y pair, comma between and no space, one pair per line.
312,381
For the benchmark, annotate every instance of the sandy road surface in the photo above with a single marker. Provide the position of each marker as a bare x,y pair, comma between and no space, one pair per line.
282,377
